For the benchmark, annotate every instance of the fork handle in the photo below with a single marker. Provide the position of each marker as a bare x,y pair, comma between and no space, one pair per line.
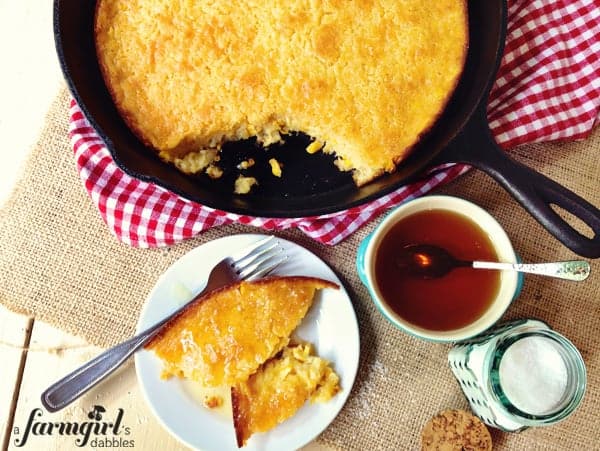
570,270
78,382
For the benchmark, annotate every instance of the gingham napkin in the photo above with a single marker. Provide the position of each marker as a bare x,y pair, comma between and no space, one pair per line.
547,88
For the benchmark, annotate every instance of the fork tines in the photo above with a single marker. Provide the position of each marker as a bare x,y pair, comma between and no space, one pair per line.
259,260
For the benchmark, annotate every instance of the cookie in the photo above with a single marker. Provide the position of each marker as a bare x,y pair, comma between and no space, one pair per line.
455,430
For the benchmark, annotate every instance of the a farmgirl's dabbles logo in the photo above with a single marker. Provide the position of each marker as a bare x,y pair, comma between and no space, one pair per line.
98,433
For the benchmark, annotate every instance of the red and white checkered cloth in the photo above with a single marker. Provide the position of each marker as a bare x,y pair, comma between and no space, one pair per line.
547,88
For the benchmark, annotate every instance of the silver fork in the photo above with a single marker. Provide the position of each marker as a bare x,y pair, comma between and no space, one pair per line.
253,262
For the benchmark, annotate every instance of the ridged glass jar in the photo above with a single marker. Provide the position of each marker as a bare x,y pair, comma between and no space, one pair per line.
497,372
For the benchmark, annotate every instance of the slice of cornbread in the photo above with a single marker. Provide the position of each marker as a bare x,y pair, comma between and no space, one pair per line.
279,388
188,76
224,336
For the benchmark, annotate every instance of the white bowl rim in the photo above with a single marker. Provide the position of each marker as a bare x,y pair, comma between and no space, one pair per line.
502,245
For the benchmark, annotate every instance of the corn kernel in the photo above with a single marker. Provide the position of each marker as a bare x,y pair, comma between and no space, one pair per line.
275,167
314,147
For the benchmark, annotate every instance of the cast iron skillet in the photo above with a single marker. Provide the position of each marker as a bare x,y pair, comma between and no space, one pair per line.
311,185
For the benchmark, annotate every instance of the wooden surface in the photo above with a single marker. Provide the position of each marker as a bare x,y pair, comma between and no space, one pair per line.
33,356
48,355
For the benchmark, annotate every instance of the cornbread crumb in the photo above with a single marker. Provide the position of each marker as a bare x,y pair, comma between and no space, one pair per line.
275,167
246,164
195,162
455,430
214,172
212,402
243,185
188,76
314,146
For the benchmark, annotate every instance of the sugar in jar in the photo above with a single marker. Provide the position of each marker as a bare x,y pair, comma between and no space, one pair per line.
520,374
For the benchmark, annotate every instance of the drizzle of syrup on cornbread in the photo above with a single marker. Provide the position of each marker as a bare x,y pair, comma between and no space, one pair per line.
449,302
224,336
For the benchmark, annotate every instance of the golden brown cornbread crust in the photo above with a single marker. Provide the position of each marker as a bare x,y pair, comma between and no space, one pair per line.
366,77
223,337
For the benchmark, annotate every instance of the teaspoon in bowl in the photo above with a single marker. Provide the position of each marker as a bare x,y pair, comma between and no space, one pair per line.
429,261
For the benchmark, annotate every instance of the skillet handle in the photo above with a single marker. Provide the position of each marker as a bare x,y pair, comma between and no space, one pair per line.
534,191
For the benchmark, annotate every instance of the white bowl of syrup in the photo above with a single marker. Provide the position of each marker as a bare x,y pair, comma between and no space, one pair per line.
458,305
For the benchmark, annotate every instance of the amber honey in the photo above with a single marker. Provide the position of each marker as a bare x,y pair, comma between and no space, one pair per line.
449,302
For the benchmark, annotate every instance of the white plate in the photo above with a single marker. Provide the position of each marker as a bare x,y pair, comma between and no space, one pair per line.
330,326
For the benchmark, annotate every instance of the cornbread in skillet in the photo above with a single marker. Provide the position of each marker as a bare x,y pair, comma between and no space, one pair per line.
367,77
279,388
224,336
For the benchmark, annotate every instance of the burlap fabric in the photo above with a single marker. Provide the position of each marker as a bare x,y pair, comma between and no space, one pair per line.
59,263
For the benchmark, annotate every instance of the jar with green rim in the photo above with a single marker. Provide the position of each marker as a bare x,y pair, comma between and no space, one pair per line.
520,374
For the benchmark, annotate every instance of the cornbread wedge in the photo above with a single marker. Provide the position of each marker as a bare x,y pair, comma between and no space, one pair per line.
224,336
188,76
279,388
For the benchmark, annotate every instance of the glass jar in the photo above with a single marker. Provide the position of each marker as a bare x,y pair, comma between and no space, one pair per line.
519,374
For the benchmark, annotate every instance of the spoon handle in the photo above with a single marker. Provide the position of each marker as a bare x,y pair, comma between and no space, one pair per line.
570,270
